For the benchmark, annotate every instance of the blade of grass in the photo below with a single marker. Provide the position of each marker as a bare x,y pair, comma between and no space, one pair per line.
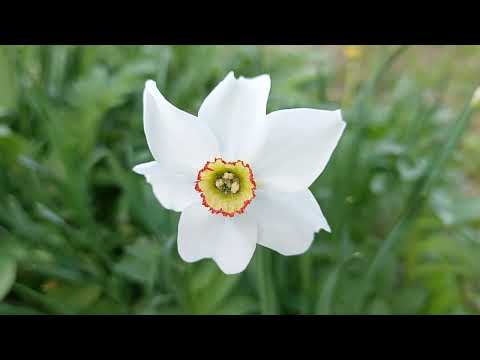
417,198
327,292
306,267
358,114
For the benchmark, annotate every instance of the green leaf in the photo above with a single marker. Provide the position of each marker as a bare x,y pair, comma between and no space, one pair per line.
410,300
210,297
379,307
455,209
9,309
12,146
8,269
104,306
8,82
140,262
76,297
238,305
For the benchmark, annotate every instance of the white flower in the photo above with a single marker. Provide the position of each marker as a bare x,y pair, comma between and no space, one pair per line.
239,176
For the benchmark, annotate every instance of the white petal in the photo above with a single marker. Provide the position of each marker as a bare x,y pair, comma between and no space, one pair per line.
175,138
297,148
287,221
235,111
229,241
175,191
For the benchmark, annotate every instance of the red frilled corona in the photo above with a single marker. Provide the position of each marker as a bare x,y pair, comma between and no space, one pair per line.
226,188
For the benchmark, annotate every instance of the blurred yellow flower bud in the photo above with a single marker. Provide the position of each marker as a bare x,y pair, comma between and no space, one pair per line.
352,52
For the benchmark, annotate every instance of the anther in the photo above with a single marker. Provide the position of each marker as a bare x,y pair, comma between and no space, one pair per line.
235,187
228,176
228,183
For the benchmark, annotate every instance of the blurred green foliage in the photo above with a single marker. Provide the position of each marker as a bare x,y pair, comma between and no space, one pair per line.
80,233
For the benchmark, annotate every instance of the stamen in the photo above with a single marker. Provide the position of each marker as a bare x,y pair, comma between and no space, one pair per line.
228,176
235,187
228,183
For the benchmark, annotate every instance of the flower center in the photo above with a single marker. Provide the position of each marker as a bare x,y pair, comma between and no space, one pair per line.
228,183
226,188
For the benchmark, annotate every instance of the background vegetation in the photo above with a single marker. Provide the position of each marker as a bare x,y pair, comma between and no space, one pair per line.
80,233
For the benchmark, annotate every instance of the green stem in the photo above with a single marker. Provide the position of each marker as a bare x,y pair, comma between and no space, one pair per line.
265,282
306,281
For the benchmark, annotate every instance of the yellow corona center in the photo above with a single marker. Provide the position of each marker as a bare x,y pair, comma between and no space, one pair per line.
226,188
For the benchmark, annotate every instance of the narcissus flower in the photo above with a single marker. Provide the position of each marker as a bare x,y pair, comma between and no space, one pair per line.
238,176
